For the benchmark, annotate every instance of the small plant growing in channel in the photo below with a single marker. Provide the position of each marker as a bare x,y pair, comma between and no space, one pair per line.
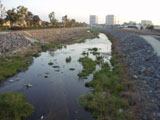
72,69
36,55
93,49
88,66
68,59
85,53
50,63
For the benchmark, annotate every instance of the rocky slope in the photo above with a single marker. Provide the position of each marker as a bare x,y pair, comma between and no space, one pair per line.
14,41
145,69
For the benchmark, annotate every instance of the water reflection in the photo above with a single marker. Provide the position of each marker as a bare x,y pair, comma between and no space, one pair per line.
55,96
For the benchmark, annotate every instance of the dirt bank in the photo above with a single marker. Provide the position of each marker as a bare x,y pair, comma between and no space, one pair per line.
13,41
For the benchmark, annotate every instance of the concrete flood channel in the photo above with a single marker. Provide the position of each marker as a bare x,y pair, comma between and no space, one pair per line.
56,88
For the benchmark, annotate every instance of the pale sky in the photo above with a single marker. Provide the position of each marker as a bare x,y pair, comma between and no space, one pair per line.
127,10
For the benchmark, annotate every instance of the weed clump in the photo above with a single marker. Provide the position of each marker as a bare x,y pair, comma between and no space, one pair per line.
105,101
50,63
95,32
99,59
50,46
85,53
56,67
93,49
72,69
88,66
36,55
11,65
14,107
68,59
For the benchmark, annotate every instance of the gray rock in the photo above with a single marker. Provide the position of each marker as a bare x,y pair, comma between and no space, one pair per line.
145,64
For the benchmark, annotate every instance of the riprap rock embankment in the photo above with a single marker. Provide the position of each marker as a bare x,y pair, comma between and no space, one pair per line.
145,69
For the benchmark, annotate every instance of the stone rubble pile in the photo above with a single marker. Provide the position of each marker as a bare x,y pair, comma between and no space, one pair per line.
10,42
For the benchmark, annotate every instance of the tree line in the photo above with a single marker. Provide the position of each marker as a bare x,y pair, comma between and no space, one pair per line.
21,16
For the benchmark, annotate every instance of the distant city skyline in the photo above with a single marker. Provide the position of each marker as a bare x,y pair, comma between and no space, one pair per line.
124,10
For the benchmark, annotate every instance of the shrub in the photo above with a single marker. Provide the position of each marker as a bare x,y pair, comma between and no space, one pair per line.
18,28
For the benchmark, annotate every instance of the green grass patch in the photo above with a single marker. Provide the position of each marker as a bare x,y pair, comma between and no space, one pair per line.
37,43
14,107
89,66
50,46
85,53
95,53
68,59
95,32
93,49
11,65
105,102
50,63
36,54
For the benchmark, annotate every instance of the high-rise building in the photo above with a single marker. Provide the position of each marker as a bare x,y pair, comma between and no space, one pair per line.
93,19
110,20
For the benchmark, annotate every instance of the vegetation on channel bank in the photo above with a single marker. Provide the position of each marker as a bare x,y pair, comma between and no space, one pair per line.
105,101
13,105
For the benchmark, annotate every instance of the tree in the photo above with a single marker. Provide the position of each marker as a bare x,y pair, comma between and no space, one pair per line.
11,16
36,19
29,18
1,21
65,20
52,18
73,22
17,15
45,23
21,13
2,11
151,27
56,23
